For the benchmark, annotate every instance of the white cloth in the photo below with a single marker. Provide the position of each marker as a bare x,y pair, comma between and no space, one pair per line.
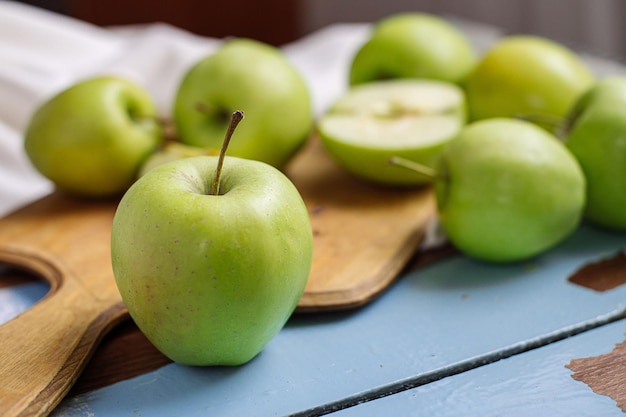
42,53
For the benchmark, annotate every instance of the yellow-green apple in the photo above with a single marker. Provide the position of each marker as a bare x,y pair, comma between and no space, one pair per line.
611,88
527,76
409,118
172,151
256,78
508,190
211,255
596,135
91,138
413,45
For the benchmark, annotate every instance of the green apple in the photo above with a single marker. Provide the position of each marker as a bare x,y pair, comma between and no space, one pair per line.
508,190
413,45
596,136
257,79
211,255
409,118
172,151
609,89
526,76
91,138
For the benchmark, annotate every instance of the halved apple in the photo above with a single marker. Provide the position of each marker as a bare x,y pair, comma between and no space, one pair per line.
410,118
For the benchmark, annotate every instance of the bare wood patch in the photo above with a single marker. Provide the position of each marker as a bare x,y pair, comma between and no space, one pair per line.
604,374
603,275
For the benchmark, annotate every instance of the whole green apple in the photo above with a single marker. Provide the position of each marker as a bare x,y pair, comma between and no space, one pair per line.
597,137
526,76
91,138
211,278
257,79
408,118
413,45
610,89
508,190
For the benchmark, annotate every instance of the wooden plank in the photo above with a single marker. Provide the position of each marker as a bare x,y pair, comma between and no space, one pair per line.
19,297
603,275
363,237
44,349
605,373
537,383
431,319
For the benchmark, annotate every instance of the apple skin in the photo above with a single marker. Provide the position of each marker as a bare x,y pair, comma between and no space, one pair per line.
508,190
91,138
609,89
257,79
526,76
210,280
413,45
597,138
376,121
172,151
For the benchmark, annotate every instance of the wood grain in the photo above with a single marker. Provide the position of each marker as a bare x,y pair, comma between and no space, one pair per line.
43,350
363,236
123,353
602,275
604,374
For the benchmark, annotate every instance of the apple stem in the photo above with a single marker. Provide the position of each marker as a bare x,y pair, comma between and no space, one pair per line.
413,166
236,117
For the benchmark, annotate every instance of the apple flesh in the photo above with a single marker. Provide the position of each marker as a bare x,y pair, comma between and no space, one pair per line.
373,122
211,279
526,76
597,138
508,190
253,77
91,138
413,45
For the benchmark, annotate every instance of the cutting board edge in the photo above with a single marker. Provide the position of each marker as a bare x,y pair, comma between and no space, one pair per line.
320,301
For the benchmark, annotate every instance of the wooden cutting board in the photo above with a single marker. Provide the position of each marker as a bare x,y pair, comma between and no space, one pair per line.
363,237
43,350
363,234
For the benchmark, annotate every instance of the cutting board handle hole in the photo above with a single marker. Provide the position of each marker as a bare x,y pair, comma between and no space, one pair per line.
23,287
11,276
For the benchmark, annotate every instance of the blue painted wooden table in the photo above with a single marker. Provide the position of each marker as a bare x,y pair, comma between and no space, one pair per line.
441,328
457,337
534,383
